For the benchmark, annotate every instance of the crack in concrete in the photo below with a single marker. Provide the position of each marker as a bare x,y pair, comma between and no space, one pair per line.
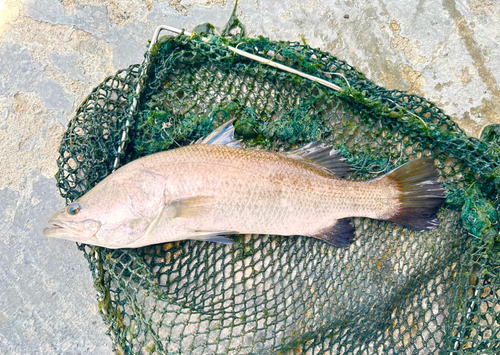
490,106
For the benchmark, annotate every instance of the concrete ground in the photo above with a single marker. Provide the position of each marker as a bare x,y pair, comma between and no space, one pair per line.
53,52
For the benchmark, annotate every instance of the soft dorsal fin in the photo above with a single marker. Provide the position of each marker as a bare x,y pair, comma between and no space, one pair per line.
222,135
323,155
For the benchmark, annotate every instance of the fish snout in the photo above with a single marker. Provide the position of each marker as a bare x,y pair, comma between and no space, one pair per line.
53,229
66,229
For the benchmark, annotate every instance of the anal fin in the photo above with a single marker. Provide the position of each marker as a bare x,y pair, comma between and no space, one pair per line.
341,234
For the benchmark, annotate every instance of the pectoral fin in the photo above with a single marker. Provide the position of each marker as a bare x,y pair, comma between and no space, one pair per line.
341,234
182,208
196,206
191,207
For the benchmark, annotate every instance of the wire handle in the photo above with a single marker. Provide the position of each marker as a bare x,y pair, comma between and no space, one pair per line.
257,58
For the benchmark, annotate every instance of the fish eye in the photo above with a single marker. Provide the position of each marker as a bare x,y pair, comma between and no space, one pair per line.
74,208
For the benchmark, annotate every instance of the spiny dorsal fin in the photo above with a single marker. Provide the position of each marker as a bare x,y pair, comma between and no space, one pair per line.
341,234
222,135
323,155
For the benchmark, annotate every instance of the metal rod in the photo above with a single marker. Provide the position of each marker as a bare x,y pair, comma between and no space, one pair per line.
257,58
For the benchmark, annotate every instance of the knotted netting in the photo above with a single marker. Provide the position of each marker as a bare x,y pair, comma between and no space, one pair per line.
394,290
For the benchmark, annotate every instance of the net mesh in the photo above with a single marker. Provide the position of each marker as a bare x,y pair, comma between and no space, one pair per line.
394,290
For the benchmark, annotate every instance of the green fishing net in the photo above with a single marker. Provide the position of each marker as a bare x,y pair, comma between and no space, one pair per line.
394,290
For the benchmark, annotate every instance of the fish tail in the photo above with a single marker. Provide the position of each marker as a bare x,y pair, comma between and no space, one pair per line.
420,194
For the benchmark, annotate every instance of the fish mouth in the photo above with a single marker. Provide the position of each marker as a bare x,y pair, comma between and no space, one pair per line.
58,229
72,230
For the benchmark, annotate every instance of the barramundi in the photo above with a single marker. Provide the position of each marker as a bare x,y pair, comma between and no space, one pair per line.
215,188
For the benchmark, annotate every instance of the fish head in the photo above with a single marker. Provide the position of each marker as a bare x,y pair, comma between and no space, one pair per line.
113,214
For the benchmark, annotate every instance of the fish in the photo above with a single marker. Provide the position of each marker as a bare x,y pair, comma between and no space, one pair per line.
215,188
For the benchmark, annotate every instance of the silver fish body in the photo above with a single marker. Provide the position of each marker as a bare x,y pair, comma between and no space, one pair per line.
208,191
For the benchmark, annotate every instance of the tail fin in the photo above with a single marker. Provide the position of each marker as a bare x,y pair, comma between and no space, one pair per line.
421,194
